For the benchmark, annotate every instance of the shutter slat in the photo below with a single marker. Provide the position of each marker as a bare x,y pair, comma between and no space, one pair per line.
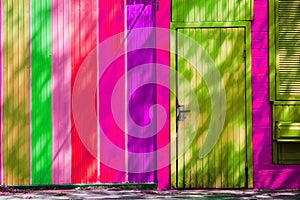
289,46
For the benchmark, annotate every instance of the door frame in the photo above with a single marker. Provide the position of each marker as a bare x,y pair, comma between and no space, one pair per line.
248,87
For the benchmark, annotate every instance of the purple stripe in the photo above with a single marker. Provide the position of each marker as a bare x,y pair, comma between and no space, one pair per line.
143,98
61,70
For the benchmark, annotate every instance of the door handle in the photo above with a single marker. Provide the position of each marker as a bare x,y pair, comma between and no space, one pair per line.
181,113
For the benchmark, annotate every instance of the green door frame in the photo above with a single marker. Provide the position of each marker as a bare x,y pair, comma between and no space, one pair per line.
248,78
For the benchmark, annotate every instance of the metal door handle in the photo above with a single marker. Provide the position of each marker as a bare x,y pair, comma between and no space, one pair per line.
181,113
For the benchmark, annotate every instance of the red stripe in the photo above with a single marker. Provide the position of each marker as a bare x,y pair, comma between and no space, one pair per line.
111,22
83,41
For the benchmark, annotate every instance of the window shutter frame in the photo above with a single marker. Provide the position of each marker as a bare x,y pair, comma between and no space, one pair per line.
287,71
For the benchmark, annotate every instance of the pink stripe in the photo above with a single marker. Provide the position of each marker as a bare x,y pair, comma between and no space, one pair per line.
61,70
163,99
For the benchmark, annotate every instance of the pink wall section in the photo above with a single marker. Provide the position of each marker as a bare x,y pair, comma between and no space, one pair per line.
61,75
163,18
266,174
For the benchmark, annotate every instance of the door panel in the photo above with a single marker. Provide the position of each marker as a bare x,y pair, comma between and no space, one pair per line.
225,165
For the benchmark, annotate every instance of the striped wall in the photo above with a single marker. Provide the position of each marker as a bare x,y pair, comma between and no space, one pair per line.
112,12
139,140
45,46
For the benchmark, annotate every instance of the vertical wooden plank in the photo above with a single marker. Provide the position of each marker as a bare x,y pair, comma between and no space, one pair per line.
111,22
226,131
197,11
61,87
189,73
209,158
16,92
230,10
225,11
163,18
205,107
236,63
218,150
83,42
180,126
41,116
214,10
193,119
242,135
173,101
242,9
200,168
235,66
208,10
202,10
220,10
1,92
230,104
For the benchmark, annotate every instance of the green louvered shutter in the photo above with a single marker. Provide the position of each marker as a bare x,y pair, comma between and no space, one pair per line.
288,50
286,107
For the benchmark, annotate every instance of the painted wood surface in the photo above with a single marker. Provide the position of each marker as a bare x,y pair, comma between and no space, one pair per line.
111,21
61,92
286,117
224,166
41,91
141,141
16,163
211,11
287,36
266,174
16,89
83,42
163,17
1,92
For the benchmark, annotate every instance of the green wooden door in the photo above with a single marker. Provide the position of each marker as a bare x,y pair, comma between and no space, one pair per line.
225,166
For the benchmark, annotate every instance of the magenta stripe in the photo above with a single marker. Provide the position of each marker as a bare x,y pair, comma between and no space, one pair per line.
61,70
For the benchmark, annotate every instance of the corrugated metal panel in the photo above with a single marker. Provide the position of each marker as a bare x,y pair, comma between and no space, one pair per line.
289,47
83,42
61,101
141,142
41,91
211,10
111,22
224,166
16,91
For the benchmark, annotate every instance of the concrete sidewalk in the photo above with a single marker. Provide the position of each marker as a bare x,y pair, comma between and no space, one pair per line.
115,193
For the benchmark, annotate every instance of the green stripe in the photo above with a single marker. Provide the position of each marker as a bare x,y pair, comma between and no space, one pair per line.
41,92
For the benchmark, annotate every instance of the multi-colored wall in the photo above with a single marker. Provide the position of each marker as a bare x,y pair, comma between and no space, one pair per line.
73,111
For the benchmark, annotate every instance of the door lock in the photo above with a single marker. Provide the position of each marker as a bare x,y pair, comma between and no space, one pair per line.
181,113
